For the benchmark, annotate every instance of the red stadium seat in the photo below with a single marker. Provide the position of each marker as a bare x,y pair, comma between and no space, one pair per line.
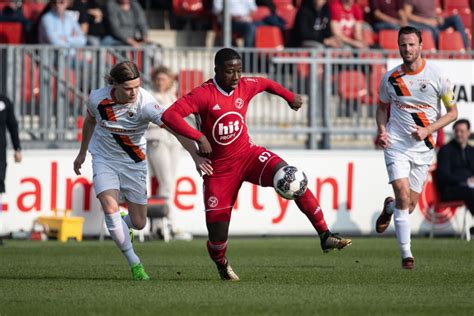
11,32
188,80
455,5
261,13
32,11
466,18
352,86
388,39
428,41
450,40
30,85
288,13
282,3
268,37
368,36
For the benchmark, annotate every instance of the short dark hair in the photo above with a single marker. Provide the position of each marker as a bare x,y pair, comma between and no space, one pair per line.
225,54
123,71
410,30
462,121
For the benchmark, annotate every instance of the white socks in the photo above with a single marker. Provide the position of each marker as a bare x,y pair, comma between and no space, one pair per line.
402,228
118,230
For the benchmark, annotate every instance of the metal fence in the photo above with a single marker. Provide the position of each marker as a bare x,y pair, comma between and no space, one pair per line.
49,87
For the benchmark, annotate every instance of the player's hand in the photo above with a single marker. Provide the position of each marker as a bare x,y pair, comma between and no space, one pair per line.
420,133
17,156
382,139
78,163
297,103
205,148
203,164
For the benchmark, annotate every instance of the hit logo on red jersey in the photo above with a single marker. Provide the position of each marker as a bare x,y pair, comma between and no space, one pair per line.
228,128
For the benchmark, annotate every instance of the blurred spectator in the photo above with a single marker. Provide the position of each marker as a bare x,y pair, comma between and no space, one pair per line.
128,25
163,149
13,12
422,15
91,18
7,122
388,14
59,27
455,167
241,13
311,28
346,23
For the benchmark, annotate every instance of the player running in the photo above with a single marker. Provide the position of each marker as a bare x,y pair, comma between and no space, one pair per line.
412,91
122,112
221,104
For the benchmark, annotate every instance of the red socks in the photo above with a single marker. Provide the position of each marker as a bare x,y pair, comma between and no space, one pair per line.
217,251
310,207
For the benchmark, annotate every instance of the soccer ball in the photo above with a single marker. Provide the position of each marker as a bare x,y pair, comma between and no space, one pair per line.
290,182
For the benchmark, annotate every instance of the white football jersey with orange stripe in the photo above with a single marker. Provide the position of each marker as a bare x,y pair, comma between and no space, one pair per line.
120,129
415,99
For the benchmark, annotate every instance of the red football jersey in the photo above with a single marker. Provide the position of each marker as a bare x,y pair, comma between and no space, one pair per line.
222,114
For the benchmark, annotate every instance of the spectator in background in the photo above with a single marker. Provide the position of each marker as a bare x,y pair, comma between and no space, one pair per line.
13,12
128,25
455,167
311,28
422,14
7,122
241,13
388,14
163,149
91,18
59,27
346,23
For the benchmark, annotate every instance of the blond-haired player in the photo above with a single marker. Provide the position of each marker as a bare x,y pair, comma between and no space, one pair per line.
117,118
413,91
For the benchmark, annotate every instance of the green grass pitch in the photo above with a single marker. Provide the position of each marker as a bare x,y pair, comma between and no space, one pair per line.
279,276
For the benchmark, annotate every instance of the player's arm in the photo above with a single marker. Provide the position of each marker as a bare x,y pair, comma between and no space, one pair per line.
447,97
174,116
203,164
12,127
294,100
381,115
87,131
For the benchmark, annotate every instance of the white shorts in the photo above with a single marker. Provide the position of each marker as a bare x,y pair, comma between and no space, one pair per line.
409,164
128,177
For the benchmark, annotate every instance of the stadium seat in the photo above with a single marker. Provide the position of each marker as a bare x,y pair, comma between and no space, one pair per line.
437,206
261,13
428,41
11,32
32,10
281,3
466,18
368,36
30,85
287,13
450,40
268,37
188,80
388,39
352,86
455,5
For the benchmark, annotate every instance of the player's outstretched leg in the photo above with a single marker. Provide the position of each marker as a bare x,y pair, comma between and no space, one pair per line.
119,232
309,205
218,227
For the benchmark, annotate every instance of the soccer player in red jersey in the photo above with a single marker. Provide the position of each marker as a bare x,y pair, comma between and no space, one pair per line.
221,104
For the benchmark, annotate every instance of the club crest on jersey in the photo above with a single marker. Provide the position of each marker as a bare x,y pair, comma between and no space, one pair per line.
228,128
212,201
239,103
423,87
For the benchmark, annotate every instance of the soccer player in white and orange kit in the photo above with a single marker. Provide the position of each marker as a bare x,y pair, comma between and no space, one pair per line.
117,117
412,91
